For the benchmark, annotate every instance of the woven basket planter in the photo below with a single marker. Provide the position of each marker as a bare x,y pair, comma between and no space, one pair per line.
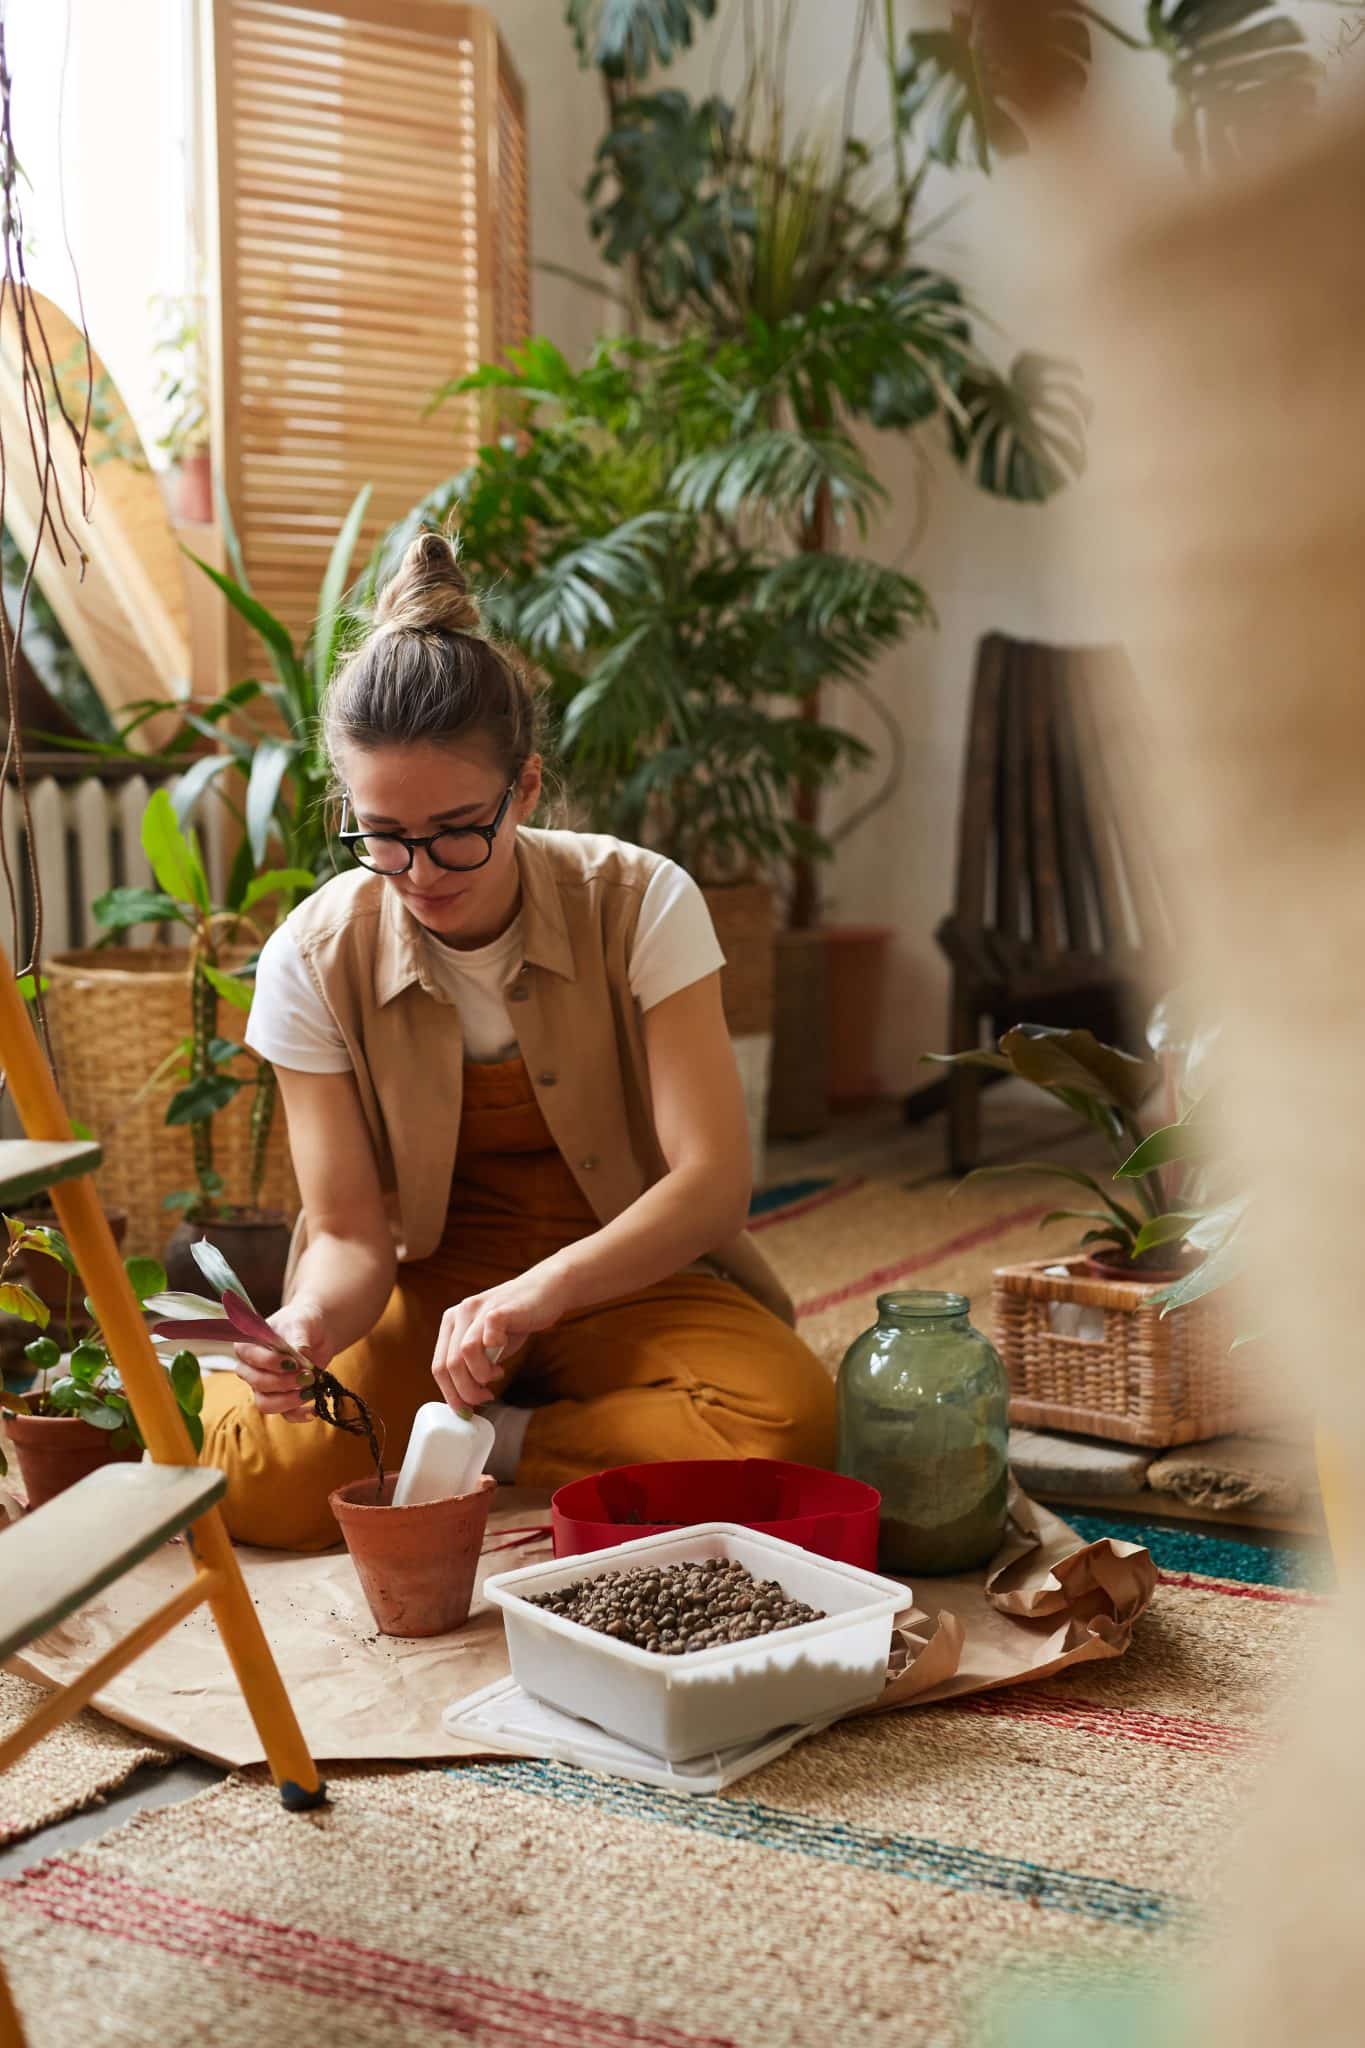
115,1015
1095,1357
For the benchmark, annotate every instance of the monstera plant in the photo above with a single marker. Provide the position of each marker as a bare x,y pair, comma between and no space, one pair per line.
1237,69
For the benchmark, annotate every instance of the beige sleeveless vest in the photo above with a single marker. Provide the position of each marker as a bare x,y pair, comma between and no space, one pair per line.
577,1022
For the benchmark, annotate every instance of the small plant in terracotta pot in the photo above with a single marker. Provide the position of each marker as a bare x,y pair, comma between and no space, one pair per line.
63,1425
416,1565
212,1069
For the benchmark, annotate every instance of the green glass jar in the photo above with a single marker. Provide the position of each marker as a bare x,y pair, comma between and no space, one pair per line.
924,1417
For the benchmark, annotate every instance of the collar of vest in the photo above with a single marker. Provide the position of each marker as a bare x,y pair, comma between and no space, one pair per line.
545,935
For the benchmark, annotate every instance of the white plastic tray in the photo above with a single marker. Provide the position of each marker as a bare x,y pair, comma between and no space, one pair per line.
504,1717
715,1699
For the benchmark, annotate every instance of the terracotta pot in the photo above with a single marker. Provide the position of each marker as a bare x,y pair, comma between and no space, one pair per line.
857,976
1120,1267
256,1247
192,485
416,1565
54,1451
49,1280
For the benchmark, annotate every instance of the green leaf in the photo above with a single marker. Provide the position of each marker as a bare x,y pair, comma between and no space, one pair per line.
145,1277
194,1429
47,1240
1023,436
624,37
955,79
172,855
195,781
272,762
1167,1147
187,1379
1132,1223
88,1361
1055,1058
42,1354
29,988
1172,1228
21,1301
216,1270
994,1062
275,882
103,1415
230,987
326,629
1218,1270
278,644
119,909
1241,69
200,1098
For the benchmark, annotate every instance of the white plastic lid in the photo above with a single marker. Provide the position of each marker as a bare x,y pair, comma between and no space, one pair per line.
503,1717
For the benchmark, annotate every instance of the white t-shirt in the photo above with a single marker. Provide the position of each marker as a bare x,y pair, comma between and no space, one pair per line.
290,1025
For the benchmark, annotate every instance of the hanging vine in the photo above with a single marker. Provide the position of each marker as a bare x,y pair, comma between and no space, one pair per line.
46,417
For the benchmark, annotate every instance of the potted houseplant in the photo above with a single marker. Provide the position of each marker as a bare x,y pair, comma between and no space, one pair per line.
633,536
62,1425
272,780
182,390
1147,1235
416,1565
213,1070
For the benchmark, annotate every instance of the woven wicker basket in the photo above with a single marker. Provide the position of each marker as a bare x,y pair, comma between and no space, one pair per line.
115,1015
1137,1379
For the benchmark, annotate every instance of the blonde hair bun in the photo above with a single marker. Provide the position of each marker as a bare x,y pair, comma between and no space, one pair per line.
427,593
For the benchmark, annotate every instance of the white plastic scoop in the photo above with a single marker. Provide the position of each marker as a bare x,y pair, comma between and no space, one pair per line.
445,1456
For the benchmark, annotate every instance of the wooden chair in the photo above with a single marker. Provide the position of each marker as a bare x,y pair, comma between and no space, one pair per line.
1059,915
61,1554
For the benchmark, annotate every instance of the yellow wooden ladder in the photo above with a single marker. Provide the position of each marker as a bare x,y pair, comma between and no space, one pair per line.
60,1555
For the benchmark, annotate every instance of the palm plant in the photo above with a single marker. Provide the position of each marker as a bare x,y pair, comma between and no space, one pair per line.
634,535
791,252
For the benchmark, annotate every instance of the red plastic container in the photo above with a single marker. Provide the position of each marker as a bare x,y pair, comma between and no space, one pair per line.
822,1511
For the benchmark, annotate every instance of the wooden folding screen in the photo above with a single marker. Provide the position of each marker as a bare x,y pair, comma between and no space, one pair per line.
371,218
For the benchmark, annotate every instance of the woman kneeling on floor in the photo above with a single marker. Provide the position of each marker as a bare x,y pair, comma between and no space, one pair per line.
514,1115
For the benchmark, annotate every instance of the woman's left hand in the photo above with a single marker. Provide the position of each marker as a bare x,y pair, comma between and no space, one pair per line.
484,1330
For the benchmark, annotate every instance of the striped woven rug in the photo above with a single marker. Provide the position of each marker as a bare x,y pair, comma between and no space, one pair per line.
837,1244
867,1888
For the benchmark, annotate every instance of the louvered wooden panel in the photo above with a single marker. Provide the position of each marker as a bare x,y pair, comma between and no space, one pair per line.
372,213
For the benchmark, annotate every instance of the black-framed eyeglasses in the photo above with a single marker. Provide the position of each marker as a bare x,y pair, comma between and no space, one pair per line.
458,847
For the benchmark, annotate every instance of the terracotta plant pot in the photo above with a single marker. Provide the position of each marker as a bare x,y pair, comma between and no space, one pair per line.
416,1565
256,1247
54,1451
857,978
49,1280
1120,1267
192,489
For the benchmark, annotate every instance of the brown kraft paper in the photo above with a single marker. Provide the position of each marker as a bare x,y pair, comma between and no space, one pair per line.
1046,1601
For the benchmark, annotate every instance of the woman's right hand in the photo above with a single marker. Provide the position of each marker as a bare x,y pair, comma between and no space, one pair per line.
280,1387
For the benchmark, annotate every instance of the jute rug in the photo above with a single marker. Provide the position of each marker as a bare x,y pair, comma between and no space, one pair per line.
867,1888
838,1244
75,1767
